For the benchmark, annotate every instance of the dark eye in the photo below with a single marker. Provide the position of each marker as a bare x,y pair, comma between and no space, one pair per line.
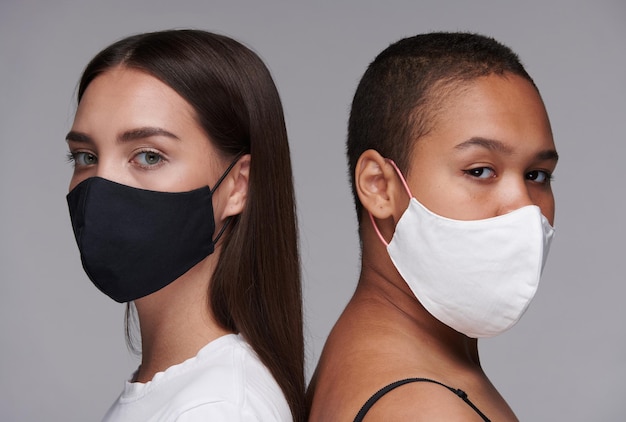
148,158
539,176
481,172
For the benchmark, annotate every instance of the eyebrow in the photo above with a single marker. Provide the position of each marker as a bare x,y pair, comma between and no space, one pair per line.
490,144
548,155
73,136
145,132
130,135
498,146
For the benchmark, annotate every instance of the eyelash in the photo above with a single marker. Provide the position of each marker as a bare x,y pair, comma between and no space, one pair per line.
548,176
160,157
473,173
73,158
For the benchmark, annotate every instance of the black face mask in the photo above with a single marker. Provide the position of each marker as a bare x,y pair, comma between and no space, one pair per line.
134,242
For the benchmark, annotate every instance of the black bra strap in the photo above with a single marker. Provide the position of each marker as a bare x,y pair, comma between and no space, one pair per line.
372,400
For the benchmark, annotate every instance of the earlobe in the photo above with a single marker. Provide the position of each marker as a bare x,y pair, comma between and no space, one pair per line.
238,181
375,180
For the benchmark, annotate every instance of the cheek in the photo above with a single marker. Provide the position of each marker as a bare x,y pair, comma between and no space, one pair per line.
546,204
73,184
78,177
187,172
453,201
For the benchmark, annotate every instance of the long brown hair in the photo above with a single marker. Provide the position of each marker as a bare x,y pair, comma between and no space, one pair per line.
256,288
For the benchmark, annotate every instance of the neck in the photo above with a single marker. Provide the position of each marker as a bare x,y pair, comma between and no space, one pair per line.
380,283
176,321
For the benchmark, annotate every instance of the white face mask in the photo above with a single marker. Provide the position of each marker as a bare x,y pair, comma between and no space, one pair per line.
477,276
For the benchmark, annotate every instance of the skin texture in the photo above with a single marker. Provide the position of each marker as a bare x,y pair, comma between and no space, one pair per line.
490,152
133,129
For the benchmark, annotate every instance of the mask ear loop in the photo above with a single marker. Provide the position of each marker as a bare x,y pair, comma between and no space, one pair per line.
408,191
228,169
217,184
404,183
222,230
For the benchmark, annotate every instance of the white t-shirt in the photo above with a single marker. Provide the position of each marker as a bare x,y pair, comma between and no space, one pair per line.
225,381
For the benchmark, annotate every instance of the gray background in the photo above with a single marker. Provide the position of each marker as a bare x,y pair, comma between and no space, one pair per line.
62,354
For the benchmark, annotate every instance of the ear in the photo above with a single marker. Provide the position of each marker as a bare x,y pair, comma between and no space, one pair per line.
237,182
377,185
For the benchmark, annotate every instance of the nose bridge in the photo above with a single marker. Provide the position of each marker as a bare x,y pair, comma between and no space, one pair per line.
515,194
104,168
109,168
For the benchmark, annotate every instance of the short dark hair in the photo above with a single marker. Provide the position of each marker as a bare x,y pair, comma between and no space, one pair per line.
401,91
256,288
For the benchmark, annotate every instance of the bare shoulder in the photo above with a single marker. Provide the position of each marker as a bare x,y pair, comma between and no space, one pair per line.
352,367
370,348
424,401
337,388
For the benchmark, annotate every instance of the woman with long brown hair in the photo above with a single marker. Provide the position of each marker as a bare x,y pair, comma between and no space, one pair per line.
182,204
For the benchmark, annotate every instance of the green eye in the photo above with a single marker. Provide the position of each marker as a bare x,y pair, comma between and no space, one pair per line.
84,158
148,158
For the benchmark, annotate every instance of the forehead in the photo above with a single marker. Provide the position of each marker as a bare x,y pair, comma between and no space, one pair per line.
131,94
505,108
